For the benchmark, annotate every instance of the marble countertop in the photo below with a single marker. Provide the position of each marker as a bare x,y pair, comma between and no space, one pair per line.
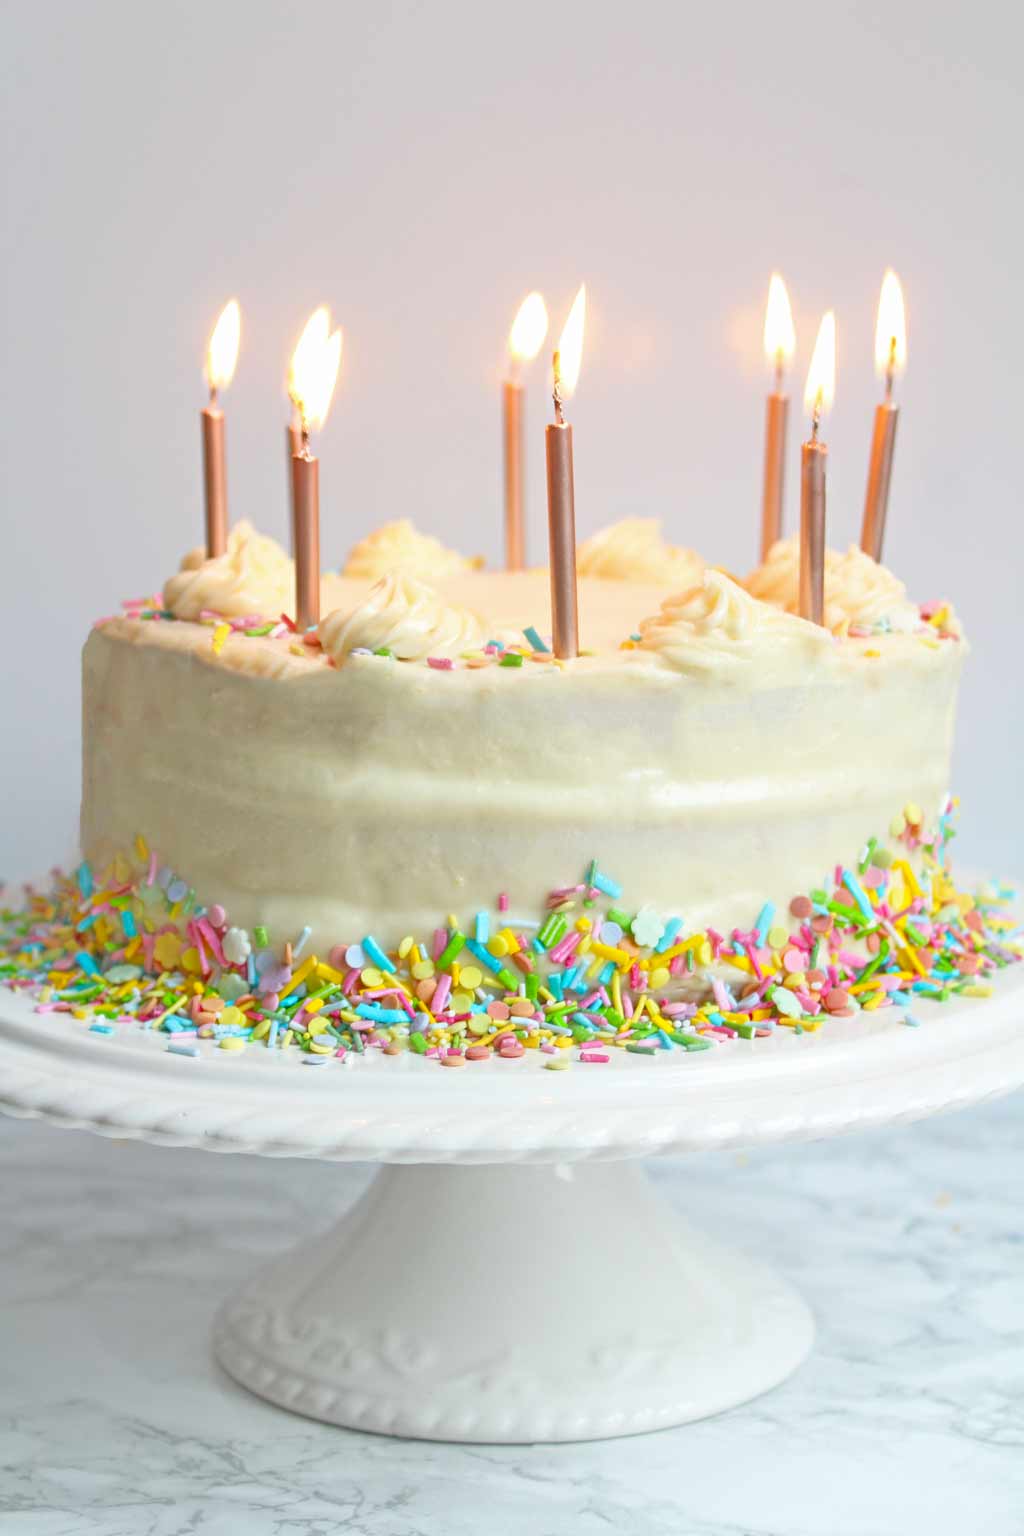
909,1416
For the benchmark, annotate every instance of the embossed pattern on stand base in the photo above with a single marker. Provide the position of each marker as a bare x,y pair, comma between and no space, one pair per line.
521,1304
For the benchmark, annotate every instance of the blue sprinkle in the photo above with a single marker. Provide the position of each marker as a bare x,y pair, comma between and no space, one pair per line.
182,1048
672,927
101,1029
666,1040
765,918
483,955
606,884
85,884
272,1037
87,963
554,984
315,1061
535,639
381,1015
856,890
606,973
128,924
483,927
908,1018
373,952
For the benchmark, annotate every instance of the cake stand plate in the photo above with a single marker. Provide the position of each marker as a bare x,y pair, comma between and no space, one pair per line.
553,1297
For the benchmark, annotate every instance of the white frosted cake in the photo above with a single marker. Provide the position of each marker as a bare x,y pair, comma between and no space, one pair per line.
416,830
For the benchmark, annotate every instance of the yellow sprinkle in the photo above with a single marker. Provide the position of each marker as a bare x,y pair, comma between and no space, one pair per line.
405,946
423,970
232,1043
511,941
977,989
288,1037
908,875
327,972
777,938
583,925
369,976
300,975
497,946
314,1004
610,953
471,976
316,1026
660,977
141,847
220,634
190,961
261,1030
321,1050
460,1002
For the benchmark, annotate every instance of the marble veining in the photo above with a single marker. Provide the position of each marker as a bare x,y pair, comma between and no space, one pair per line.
908,1417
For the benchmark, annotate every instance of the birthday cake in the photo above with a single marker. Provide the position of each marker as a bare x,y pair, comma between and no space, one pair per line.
416,829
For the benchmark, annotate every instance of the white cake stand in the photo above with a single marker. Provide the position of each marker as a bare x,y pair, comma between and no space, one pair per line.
510,1275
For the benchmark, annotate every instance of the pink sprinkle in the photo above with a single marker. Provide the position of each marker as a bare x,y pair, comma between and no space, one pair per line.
594,1056
209,933
440,940
441,992
549,1050
440,663
503,902
716,941
752,957
349,984
677,965
151,871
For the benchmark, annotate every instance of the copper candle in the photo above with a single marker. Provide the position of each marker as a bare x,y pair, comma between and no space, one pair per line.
215,480
221,357
813,462
306,537
512,438
314,372
561,490
526,337
779,343
562,538
890,355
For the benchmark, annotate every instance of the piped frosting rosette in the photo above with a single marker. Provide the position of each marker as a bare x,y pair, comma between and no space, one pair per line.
634,550
717,626
406,617
253,576
399,546
858,590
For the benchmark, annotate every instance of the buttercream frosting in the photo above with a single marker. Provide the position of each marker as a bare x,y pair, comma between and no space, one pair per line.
634,550
858,590
253,576
717,625
399,546
407,617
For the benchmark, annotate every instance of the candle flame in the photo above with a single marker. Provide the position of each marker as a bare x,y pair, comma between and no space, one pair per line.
779,335
314,369
821,376
570,346
529,329
891,330
222,353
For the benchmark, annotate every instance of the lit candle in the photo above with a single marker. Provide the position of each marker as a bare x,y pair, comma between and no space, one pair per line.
890,356
525,340
779,343
821,383
561,495
314,372
221,357
314,335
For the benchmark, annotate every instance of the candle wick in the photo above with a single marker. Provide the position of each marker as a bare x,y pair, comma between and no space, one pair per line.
778,373
557,392
213,396
304,430
890,369
816,417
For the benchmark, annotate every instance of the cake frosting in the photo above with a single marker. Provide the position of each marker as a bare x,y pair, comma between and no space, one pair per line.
407,617
710,747
858,590
253,576
634,550
717,627
400,546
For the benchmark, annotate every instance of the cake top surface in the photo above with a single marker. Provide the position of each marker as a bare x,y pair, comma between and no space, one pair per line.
646,607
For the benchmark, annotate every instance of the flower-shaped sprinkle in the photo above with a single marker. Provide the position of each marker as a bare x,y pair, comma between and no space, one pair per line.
236,946
647,927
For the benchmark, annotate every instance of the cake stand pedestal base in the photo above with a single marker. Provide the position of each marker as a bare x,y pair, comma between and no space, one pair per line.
513,1304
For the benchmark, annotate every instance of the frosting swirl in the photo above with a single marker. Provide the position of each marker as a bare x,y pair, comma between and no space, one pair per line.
407,617
634,550
399,546
857,589
253,576
718,624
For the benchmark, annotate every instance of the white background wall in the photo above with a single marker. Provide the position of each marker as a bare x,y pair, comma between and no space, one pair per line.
420,167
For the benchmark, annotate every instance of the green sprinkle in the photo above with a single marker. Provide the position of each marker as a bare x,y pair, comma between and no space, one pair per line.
511,659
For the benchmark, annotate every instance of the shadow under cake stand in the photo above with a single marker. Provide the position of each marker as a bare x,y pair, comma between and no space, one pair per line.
510,1275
